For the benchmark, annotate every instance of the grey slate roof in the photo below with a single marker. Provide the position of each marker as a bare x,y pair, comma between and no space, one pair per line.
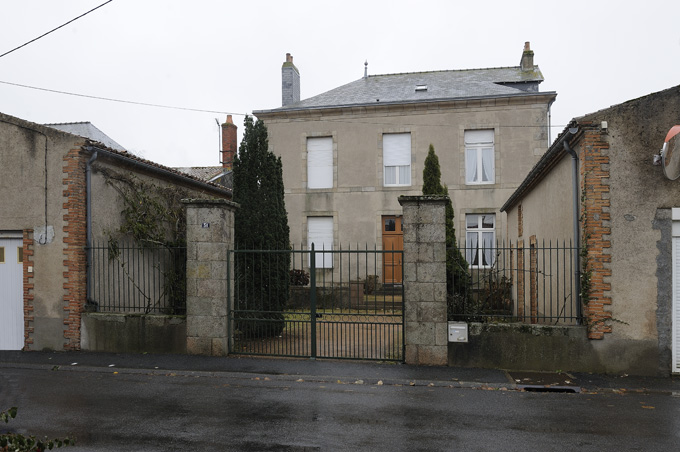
441,85
215,174
87,130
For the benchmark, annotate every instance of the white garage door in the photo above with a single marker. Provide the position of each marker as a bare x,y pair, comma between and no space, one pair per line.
11,294
675,346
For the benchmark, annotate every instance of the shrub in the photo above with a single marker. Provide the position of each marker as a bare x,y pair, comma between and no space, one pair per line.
299,277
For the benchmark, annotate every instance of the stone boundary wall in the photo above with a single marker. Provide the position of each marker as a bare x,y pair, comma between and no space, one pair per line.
133,333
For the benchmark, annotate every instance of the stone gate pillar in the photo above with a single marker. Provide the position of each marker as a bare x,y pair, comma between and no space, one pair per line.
425,324
210,233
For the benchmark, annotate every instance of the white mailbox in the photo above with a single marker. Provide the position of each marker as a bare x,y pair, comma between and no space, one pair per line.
458,332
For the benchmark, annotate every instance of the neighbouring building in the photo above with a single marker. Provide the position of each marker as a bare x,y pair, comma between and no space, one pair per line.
628,223
59,192
223,174
349,153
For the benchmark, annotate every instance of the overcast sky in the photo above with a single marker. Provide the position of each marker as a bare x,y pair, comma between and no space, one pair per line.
226,56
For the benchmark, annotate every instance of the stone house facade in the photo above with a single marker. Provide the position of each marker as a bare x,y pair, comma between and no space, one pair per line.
349,153
624,221
48,206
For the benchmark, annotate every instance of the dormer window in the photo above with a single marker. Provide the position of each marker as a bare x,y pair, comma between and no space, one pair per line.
421,88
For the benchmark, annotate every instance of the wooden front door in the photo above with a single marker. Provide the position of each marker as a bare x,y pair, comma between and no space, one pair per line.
392,240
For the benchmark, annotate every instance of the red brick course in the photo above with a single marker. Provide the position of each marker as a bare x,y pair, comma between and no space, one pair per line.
594,156
75,237
29,318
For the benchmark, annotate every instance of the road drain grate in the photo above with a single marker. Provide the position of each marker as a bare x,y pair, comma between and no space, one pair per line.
538,388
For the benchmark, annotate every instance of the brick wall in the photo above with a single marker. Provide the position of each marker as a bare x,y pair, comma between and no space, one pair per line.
75,237
594,156
28,289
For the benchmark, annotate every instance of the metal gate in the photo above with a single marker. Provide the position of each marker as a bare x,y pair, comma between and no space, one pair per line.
314,303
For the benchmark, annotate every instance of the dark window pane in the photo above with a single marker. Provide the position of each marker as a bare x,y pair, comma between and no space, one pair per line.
390,225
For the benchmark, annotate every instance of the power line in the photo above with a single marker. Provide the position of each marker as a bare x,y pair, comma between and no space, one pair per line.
122,101
54,29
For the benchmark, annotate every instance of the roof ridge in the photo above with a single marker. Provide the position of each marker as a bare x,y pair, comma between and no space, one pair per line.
447,70
67,123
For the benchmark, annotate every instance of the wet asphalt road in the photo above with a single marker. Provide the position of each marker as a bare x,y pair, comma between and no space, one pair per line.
185,411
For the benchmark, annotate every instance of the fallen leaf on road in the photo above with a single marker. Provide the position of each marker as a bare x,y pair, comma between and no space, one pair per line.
299,380
380,383
413,383
647,407
359,382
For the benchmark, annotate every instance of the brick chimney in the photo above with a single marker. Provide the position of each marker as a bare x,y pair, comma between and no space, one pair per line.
290,82
229,144
527,62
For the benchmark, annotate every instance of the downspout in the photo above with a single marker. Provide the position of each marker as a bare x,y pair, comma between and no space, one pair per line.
577,235
88,185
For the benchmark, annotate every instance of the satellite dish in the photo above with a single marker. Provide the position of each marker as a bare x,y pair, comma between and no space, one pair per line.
670,154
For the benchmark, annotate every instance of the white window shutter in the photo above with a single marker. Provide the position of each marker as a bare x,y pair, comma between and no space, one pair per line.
397,158
320,162
320,233
397,149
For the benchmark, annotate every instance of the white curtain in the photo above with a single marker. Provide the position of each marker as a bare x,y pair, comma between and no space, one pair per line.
471,165
487,165
320,162
471,253
487,248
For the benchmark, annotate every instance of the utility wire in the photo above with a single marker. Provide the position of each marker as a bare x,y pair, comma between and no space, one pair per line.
54,29
121,100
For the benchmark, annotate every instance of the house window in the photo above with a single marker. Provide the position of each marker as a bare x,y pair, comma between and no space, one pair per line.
320,162
2,254
20,255
479,239
397,158
320,233
479,157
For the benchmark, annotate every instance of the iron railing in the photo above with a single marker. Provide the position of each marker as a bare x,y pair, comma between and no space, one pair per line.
127,277
522,282
331,304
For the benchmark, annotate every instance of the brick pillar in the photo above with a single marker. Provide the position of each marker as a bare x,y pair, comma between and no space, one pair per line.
425,330
210,233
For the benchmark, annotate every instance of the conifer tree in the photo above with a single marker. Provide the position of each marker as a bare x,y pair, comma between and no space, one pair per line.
457,277
261,223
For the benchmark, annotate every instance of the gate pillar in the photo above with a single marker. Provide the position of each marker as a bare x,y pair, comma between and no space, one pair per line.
425,324
210,233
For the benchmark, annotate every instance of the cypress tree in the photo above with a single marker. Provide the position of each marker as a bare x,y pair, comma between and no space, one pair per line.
260,224
457,277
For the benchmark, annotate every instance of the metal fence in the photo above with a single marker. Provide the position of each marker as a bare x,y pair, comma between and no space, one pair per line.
315,303
127,277
531,283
